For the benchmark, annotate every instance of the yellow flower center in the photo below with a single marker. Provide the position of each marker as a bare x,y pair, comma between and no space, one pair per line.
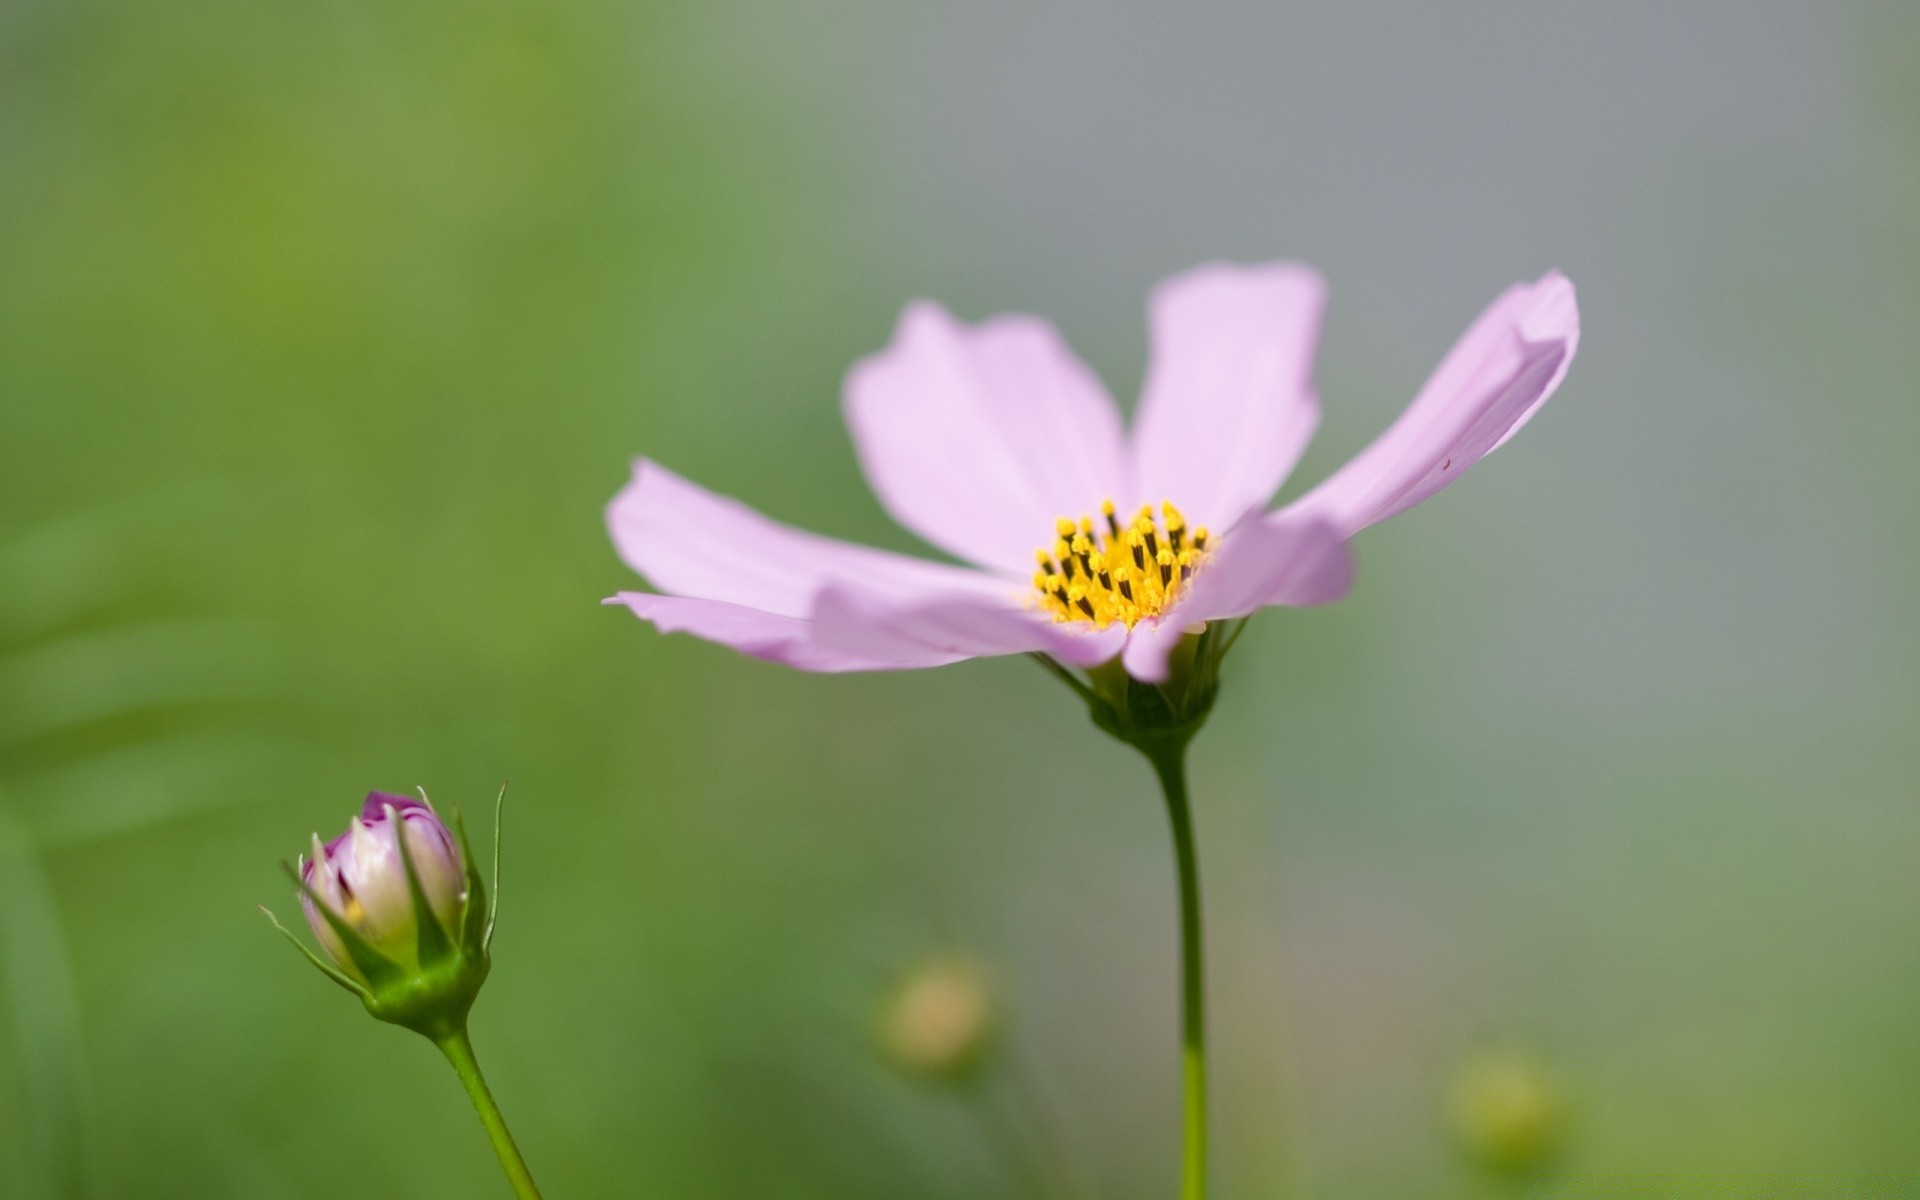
1105,573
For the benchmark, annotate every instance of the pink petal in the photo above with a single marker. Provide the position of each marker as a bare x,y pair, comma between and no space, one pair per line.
689,542
1492,381
956,626
1229,403
979,438
1275,560
764,635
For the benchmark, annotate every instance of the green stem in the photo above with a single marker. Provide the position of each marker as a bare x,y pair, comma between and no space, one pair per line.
459,1051
1170,764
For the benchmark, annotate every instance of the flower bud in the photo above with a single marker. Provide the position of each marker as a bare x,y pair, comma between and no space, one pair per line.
361,877
1507,1112
401,914
939,1020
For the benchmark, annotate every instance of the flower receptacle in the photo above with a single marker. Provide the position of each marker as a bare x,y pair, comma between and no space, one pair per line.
1157,718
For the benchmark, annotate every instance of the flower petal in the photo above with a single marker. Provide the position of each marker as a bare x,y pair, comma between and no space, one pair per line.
1276,560
689,542
374,807
956,626
979,438
371,873
1492,381
1229,402
765,635
318,873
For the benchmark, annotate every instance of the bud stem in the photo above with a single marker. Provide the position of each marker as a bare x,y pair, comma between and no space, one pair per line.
1170,764
459,1051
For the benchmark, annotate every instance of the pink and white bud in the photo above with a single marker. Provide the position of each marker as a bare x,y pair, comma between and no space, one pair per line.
361,877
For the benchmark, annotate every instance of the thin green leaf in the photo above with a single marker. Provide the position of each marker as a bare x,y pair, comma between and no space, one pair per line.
116,672
133,787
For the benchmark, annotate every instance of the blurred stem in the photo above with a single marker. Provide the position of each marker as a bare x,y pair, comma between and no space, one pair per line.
1170,764
459,1051
1061,1172
36,984
1012,1141
1010,1107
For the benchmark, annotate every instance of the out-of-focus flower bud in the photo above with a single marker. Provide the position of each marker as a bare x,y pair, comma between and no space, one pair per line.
401,913
939,1020
1508,1112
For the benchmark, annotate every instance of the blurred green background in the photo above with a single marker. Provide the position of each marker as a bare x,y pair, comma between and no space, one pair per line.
326,329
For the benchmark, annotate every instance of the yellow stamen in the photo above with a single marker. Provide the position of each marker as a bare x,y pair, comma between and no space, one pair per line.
1105,573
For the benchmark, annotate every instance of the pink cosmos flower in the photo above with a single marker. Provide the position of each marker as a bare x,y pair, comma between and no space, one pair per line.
1086,540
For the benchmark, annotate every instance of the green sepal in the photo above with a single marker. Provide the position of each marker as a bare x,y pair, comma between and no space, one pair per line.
328,969
476,921
493,904
431,945
379,970
1156,717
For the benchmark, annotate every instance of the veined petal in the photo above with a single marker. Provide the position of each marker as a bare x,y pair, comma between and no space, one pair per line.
318,873
765,635
956,626
370,870
979,438
436,860
1276,560
374,807
690,542
1493,380
1229,403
